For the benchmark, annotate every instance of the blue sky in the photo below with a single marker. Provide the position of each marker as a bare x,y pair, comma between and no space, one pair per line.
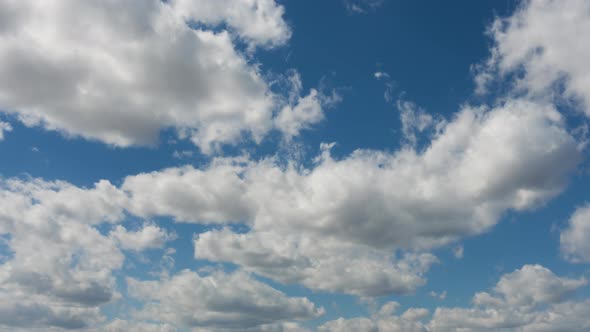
268,165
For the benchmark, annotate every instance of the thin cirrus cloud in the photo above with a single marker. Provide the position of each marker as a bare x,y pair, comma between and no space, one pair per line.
126,71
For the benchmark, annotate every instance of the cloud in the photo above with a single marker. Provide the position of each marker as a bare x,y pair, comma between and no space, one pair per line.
362,6
483,162
223,301
384,320
458,251
416,120
530,299
540,41
119,73
321,264
575,239
59,270
4,127
480,164
148,237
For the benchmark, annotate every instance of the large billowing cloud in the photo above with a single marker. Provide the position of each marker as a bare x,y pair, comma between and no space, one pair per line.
121,71
575,239
530,299
370,203
540,41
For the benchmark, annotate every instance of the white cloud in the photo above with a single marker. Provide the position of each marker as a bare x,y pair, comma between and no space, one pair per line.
218,301
322,264
458,251
60,268
530,299
480,164
416,120
542,39
148,237
4,127
119,72
259,22
362,6
575,239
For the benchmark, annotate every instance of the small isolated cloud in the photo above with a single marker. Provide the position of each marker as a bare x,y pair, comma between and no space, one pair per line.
441,296
458,251
4,127
362,6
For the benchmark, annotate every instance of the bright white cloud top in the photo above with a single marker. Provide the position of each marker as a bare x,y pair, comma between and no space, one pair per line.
277,238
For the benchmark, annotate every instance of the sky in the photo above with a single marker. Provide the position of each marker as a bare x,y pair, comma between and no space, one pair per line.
292,166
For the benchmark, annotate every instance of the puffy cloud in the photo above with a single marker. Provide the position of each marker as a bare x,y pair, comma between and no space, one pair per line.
259,22
148,237
308,111
328,265
531,286
218,301
4,127
575,239
482,163
530,299
59,270
478,165
539,39
119,72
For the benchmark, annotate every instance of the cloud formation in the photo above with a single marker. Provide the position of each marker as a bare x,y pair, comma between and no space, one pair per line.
120,72
530,299
538,40
218,301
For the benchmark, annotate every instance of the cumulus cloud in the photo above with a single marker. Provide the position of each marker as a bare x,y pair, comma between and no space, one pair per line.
480,164
59,270
530,299
148,237
326,264
540,41
483,162
575,239
218,301
120,72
